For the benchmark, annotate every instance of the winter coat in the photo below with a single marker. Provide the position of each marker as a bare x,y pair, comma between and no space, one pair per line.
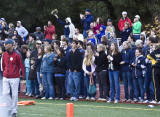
86,22
122,22
125,34
49,32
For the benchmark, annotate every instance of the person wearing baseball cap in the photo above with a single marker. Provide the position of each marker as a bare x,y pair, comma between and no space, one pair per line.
22,31
109,29
137,25
12,63
86,20
123,20
39,34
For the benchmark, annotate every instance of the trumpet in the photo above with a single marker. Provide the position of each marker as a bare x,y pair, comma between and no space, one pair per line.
54,12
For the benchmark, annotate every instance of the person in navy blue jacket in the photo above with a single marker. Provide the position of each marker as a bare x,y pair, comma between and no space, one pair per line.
127,56
138,72
125,32
100,33
86,20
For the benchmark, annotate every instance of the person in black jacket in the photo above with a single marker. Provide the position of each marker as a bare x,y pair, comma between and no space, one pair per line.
101,71
75,67
114,59
60,72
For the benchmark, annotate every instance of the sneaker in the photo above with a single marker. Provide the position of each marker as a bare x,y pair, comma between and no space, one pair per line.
31,95
27,94
116,101
43,98
124,100
129,100
75,99
71,99
99,99
93,98
159,102
109,101
141,101
51,98
135,100
87,98
37,96
153,102
61,99
80,97
56,98
146,101
103,100
14,115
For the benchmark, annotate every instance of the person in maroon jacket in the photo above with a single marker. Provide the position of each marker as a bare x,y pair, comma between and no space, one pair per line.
12,63
49,30
123,20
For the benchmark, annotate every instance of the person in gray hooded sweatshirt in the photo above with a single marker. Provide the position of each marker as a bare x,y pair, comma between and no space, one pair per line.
69,28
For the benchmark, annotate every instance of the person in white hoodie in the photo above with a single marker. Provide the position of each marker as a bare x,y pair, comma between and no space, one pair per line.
69,28
22,31
143,38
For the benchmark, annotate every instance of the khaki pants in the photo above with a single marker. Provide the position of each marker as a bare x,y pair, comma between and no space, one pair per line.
11,84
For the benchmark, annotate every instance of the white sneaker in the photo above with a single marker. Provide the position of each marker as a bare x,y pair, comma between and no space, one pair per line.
80,97
93,98
153,102
103,99
87,98
159,102
146,101
71,99
75,99
50,98
99,99
116,101
43,98
109,101
135,100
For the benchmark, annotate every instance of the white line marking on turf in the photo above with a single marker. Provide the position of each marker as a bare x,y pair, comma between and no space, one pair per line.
30,114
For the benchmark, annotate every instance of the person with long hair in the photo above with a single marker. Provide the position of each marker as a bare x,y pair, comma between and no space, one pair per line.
47,69
114,59
89,69
127,56
101,71
60,72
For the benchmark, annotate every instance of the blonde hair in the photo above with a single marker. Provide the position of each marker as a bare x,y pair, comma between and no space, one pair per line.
157,46
48,48
88,59
103,47
127,43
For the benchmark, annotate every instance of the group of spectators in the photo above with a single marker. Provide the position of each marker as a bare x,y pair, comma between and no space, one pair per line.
57,68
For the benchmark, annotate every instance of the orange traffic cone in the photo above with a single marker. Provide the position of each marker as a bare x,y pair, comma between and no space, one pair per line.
69,110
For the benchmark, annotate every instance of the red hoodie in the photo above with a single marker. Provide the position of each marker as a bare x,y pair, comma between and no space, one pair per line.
11,65
49,32
122,21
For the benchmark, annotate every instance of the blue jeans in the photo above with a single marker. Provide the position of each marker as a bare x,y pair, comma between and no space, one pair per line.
34,87
137,37
67,83
48,84
139,83
148,86
83,90
84,34
114,82
28,83
74,82
87,82
127,79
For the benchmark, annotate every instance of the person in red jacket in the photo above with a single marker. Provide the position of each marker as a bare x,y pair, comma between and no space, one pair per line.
12,63
123,20
49,30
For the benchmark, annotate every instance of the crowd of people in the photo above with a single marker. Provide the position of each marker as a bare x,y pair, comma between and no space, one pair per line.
59,68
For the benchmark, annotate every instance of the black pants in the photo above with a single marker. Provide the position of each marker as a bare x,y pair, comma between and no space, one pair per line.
103,88
61,86
156,81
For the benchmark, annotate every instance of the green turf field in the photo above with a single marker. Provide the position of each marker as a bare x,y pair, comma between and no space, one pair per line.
54,108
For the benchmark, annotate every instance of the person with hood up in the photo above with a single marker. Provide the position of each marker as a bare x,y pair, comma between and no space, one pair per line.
143,37
69,28
100,33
